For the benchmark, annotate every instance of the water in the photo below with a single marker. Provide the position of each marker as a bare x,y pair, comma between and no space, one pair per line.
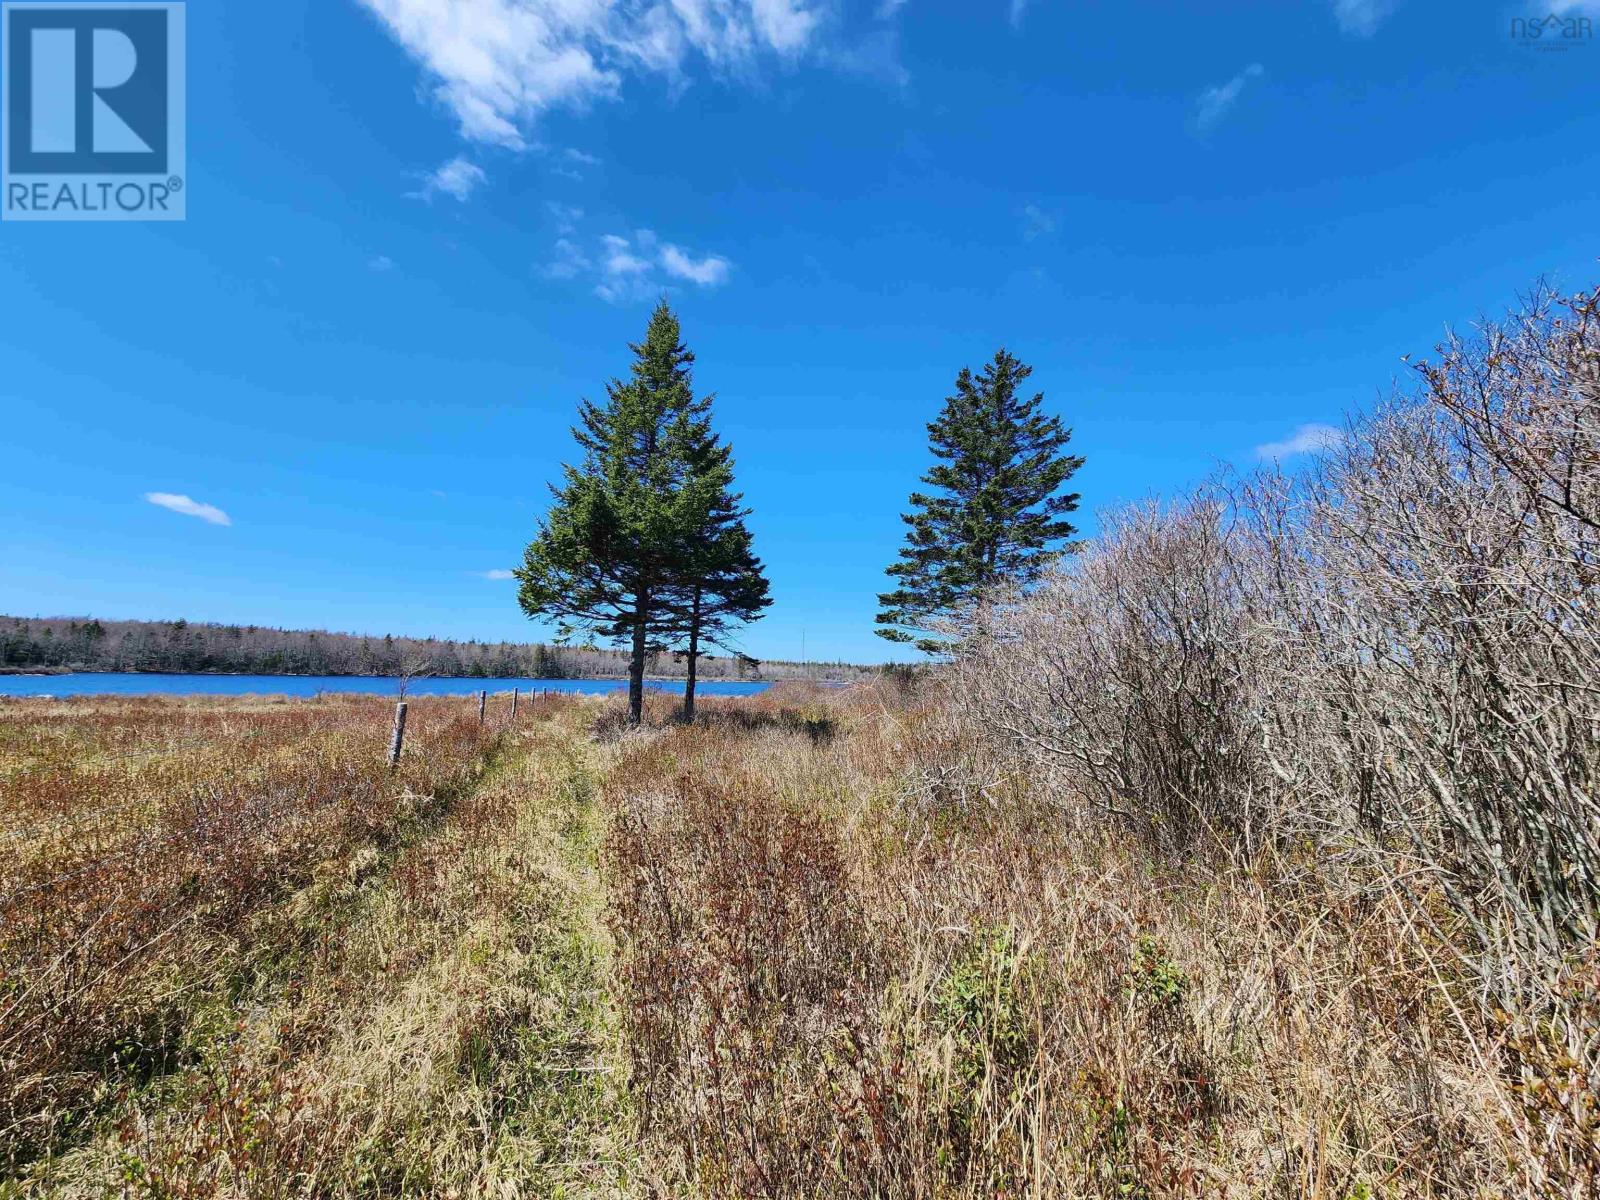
95,683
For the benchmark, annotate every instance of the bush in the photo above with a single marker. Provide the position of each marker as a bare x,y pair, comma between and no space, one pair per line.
1375,677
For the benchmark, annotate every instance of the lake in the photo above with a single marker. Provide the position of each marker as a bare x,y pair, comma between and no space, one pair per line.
95,683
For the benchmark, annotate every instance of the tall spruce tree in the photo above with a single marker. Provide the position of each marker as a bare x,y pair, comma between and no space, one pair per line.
718,582
996,518
647,522
603,559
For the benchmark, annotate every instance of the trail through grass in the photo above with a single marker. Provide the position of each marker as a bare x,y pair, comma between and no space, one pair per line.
798,948
429,1018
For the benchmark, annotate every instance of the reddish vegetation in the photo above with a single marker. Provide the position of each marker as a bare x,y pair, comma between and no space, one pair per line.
139,832
844,970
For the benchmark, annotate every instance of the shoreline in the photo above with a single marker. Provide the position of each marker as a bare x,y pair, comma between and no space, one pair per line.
57,672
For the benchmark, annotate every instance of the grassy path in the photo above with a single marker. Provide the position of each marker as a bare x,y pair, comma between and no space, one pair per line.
571,1128
431,1021
535,1065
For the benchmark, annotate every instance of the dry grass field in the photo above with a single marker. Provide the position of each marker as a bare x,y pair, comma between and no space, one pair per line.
181,878
791,950
844,972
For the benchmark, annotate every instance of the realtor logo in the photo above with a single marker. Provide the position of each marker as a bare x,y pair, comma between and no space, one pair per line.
91,112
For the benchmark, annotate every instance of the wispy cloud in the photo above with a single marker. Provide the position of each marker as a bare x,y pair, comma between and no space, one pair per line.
1019,10
495,574
579,156
567,261
497,65
1361,18
625,274
1217,102
566,215
888,9
634,267
459,177
381,263
189,508
707,272
1562,8
619,256
1305,440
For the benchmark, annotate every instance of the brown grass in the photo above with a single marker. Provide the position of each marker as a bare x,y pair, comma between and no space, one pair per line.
838,980
144,840
821,943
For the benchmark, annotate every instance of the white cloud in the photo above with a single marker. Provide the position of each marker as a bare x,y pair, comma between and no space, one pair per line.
568,261
1019,9
785,24
707,272
496,574
566,215
888,9
620,258
189,508
624,274
1305,440
458,177
1217,101
1361,18
579,156
638,266
497,65
632,268
381,263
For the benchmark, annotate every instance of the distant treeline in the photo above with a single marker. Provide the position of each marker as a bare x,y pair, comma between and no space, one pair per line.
88,644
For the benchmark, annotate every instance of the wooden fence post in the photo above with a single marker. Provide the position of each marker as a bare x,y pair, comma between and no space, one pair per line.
399,737
483,702
515,692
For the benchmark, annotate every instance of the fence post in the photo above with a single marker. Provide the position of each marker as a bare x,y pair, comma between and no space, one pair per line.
514,694
399,737
483,701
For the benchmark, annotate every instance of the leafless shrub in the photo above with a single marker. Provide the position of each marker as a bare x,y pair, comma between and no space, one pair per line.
1389,660
1455,552
1129,677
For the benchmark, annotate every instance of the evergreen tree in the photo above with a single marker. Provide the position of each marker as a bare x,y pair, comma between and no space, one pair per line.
608,561
718,580
996,517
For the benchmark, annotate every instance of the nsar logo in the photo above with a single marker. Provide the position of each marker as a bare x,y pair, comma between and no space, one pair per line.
92,112
1553,32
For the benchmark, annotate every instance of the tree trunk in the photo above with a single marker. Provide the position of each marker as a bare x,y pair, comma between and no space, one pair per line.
694,658
636,661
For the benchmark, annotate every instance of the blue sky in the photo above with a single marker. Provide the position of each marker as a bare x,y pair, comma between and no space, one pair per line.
420,230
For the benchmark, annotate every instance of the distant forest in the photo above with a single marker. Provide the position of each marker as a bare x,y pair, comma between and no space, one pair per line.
87,644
